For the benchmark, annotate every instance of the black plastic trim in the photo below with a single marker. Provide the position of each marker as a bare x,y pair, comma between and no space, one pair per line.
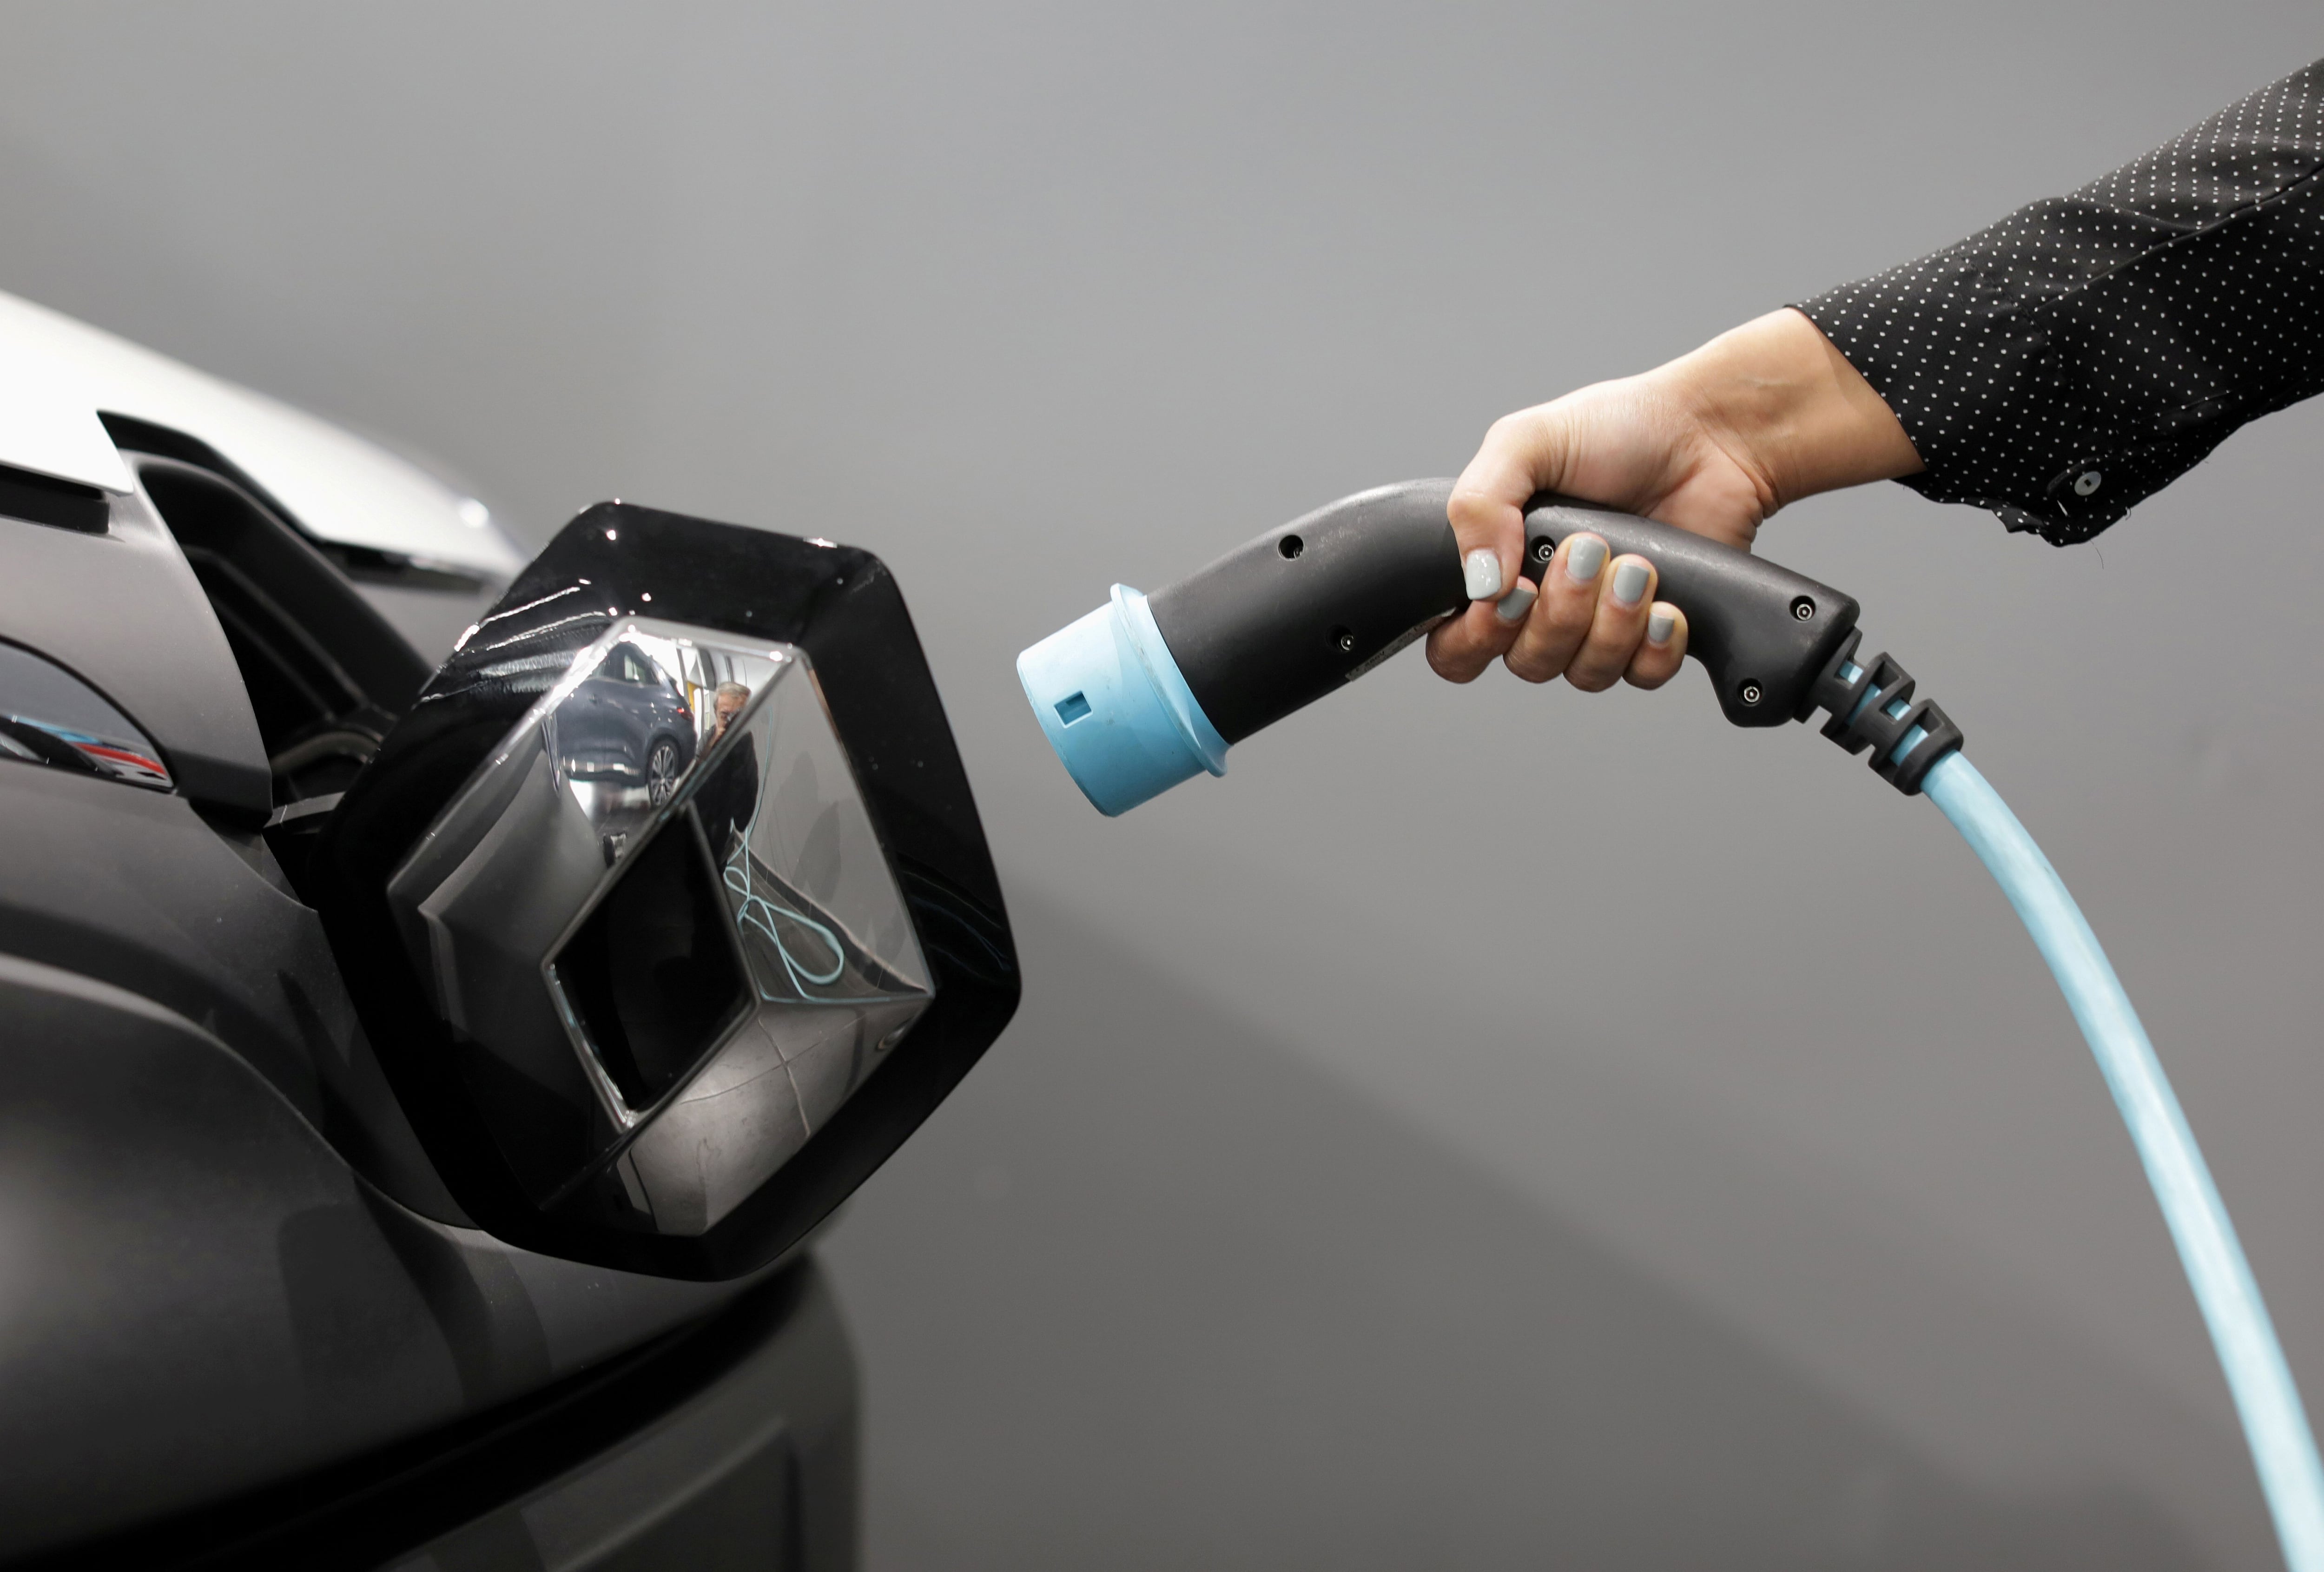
363,564
325,673
43,499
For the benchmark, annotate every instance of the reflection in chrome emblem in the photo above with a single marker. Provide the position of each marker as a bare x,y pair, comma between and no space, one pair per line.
663,928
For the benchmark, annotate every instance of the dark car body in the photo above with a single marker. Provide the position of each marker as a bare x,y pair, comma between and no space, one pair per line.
244,1319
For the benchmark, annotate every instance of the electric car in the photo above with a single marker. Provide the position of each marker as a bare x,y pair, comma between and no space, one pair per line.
431,1035
634,728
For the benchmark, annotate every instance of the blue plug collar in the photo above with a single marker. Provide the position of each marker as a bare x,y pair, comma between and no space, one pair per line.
1113,704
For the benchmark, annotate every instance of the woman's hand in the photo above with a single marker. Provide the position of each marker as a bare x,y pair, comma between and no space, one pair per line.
1713,442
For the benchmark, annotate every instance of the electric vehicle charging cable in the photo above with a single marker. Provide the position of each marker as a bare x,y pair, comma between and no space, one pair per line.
1145,692
2276,1426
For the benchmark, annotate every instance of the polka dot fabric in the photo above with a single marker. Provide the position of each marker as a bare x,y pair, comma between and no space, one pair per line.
2087,350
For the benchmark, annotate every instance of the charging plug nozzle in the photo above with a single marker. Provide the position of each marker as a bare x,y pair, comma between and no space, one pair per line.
1114,706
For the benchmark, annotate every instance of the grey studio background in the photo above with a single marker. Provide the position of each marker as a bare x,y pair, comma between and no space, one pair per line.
1492,1127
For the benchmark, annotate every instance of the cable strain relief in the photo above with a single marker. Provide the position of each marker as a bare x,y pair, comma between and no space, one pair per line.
1836,689
1942,737
1871,705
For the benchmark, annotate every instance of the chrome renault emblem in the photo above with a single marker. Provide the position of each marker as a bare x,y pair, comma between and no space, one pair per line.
665,883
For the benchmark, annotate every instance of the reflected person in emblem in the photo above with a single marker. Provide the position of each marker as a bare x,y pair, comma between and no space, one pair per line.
728,799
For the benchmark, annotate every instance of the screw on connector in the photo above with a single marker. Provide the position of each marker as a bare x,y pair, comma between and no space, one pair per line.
1871,705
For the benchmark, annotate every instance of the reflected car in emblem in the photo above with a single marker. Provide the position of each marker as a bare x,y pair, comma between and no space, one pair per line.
629,727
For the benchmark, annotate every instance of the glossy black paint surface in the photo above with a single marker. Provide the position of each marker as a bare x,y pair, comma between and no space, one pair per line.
207,1300
137,891
842,608
757,1400
123,612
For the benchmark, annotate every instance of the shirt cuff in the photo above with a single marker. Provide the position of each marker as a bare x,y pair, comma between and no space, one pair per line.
1951,354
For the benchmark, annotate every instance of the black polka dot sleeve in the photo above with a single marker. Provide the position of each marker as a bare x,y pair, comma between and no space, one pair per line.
2087,350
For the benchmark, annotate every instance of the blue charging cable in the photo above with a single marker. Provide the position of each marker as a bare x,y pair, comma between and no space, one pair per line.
2282,1447
2267,1399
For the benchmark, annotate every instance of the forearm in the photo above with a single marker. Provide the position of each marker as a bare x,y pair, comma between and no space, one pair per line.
1789,409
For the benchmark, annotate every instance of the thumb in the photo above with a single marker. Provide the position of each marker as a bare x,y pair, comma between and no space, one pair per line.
1522,454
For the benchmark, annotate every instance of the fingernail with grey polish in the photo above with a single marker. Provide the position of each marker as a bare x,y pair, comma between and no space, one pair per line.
1630,582
1588,556
1482,569
1660,626
1512,607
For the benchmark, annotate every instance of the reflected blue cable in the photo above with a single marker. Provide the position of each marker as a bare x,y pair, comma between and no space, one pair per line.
757,912
2282,1447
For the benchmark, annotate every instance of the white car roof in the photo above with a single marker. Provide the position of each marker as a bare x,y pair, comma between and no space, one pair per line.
56,374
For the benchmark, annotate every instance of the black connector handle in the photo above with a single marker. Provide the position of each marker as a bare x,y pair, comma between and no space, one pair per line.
1763,632
1276,624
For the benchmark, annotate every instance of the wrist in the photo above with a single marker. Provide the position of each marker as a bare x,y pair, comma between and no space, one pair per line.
1787,408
